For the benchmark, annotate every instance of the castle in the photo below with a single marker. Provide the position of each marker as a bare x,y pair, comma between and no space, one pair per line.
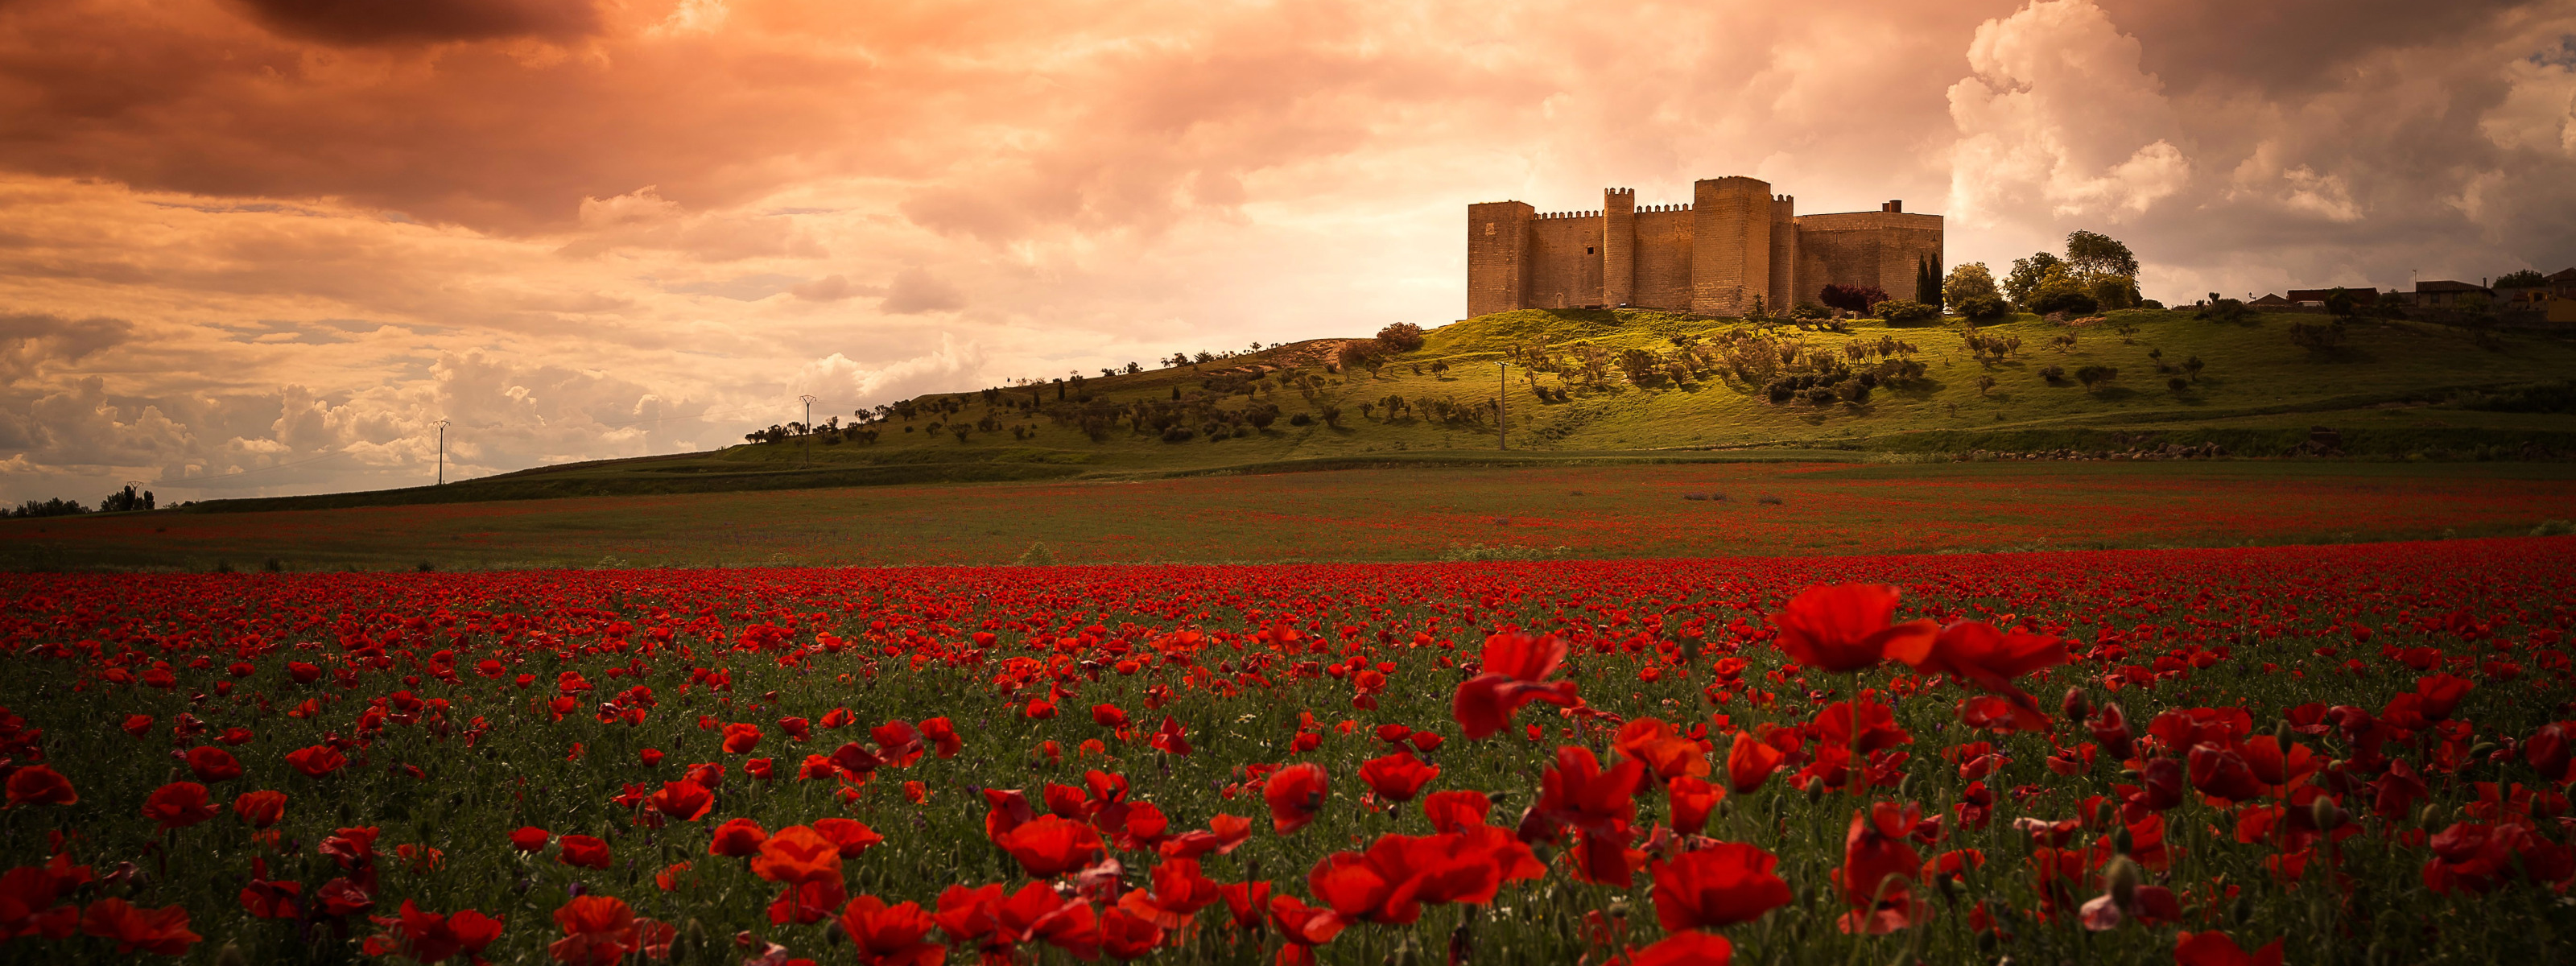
1734,242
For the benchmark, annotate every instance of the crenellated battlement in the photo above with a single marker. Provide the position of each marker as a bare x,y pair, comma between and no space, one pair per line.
1734,242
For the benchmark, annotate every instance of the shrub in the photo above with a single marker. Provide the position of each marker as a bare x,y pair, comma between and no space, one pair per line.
1177,434
2178,384
1857,298
1904,311
2054,374
2096,377
1981,308
1301,419
1401,337
2316,336
2223,310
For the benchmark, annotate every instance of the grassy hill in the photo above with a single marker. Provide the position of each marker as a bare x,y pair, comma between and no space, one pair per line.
2392,389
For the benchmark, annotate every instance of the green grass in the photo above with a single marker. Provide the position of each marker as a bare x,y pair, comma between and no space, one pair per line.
1417,509
2387,389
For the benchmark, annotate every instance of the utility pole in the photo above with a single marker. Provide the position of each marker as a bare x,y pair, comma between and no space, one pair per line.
442,452
1503,408
809,428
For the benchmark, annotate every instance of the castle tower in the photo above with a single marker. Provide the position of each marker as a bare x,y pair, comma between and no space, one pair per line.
1618,246
1730,244
1784,293
1498,237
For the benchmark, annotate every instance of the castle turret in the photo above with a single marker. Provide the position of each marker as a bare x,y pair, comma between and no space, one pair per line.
1618,246
1498,256
1730,244
1784,254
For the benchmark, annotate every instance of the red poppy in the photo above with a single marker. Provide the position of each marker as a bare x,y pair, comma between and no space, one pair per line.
1977,654
1049,846
1661,747
2214,948
163,930
1726,883
796,729
1455,810
673,877
1577,792
1295,794
1124,935
685,800
855,759
529,838
271,899
1398,874
598,931
1397,777
897,743
2110,729
942,736
737,837
852,837
798,854
1878,870
740,738
1692,801
807,903
1682,949
260,809
651,756
40,785
1751,762
967,914
1007,810
1180,890
1515,669
212,764
1171,738
1878,727
178,805
890,935
1037,913
137,725
583,851
2222,773
1108,716
428,937
316,761
1845,628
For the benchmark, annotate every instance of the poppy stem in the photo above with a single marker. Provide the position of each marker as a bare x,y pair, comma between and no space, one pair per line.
1858,776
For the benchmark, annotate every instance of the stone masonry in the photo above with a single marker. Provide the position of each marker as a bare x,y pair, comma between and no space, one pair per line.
1735,240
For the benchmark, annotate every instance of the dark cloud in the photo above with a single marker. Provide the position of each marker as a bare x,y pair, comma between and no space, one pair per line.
425,21
915,291
2288,47
33,340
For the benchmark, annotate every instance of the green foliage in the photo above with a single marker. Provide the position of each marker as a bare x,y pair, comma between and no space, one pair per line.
2232,311
1968,281
2090,254
2059,291
1401,337
2524,278
2557,396
2317,336
1927,282
2027,274
1904,312
2096,378
2113,291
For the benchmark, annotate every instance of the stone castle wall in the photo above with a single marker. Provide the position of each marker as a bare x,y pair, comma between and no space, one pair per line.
1733,242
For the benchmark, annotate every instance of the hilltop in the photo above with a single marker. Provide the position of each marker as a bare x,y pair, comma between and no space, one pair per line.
1593,386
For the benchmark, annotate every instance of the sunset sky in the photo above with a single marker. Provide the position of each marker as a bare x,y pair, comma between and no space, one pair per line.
260,246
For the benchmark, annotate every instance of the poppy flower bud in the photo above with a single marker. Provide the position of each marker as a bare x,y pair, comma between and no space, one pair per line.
231,955
2324,813
2122,876
2102,813
2281,735
2432,816
1815,791
2244,911
2122,842
2076,707
832,933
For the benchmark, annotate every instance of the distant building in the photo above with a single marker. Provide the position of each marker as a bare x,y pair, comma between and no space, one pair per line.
2270,301
2447,293
1732,243
2362,295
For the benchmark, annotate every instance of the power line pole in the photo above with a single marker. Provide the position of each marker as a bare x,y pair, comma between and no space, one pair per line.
1502,405
442,452
809,428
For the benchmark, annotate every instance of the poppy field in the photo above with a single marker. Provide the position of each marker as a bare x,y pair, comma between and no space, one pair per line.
2351,754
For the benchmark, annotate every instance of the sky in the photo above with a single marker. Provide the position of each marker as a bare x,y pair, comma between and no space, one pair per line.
257,247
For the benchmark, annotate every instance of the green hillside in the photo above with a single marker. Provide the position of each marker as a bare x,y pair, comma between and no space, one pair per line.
1589,386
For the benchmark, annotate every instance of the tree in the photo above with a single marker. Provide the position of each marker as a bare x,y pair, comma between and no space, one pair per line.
2026,275
2091,255
2525,278
1968,281
2113,291
2096,377
1401,337
1927,282
2060,291
1134,368
1857,298
2191,367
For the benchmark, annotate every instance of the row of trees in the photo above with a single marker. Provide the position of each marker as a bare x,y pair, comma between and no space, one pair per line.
121,501
2096,274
